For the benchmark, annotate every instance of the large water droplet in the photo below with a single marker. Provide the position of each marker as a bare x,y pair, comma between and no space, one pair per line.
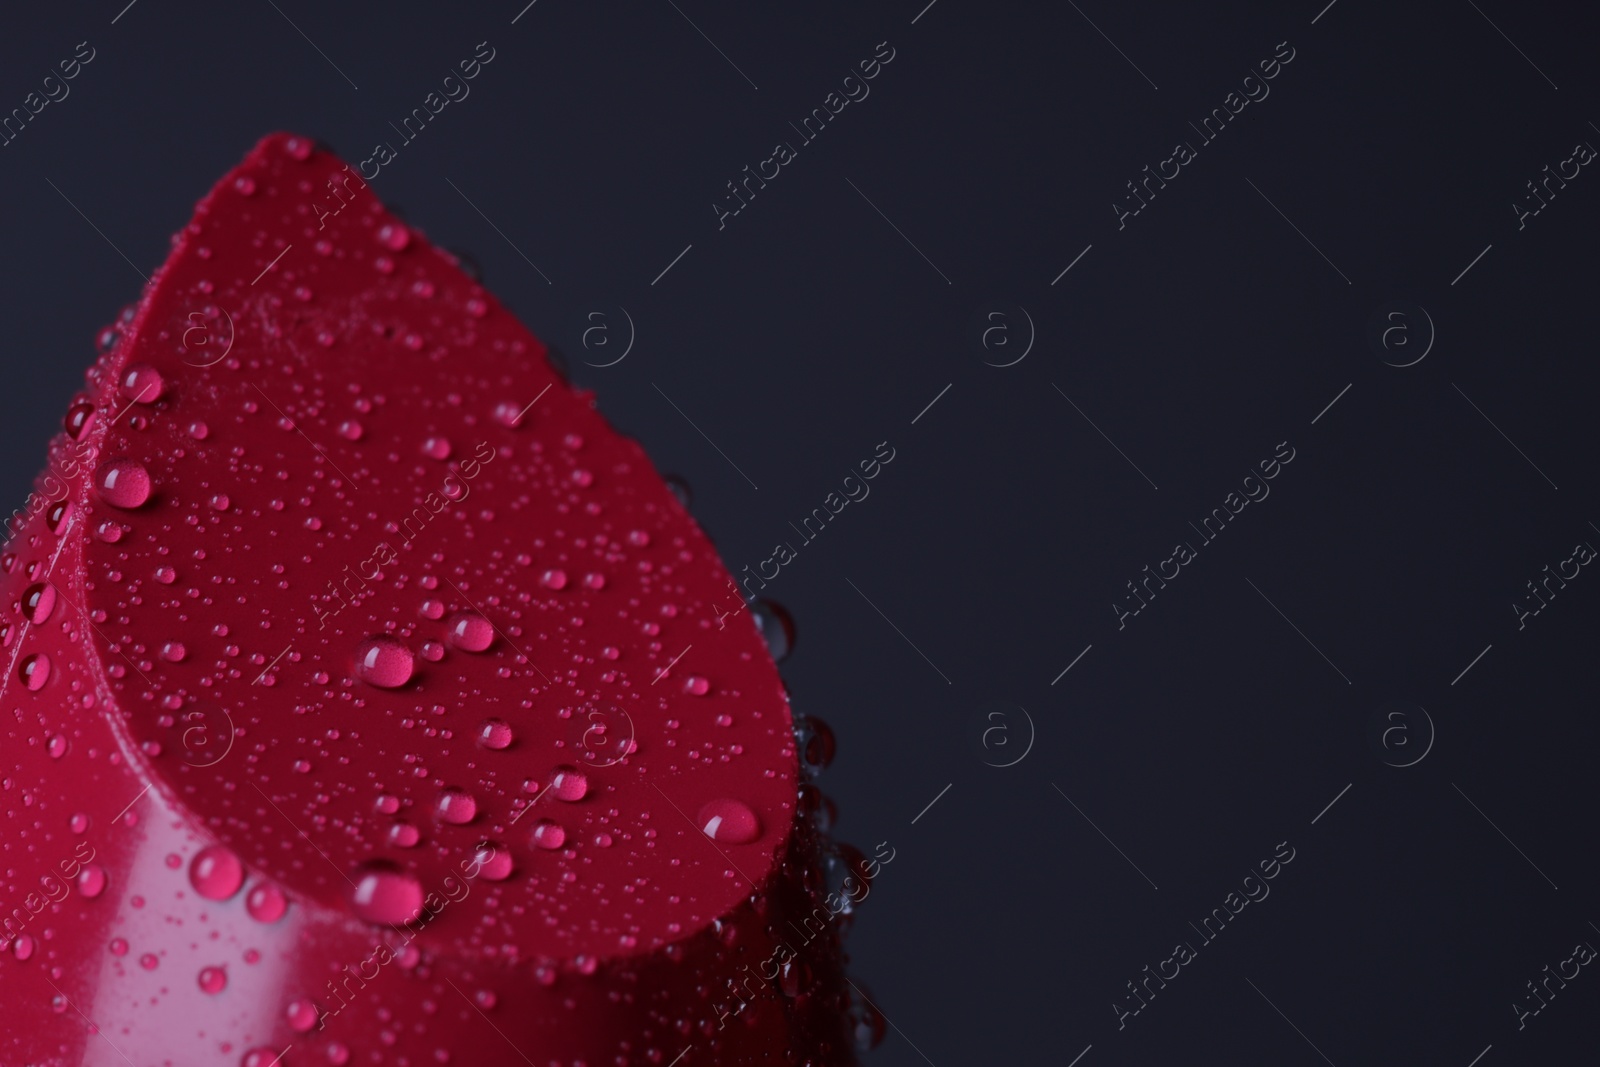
730,821
815,740
92,880
385,895
457,806
142,383
569,783
302,1014
77,419
384,662
493,860
266,903
213,980
776,626
495,734
38,602
122,483
547,833
469,631
394,236
34,671
216,872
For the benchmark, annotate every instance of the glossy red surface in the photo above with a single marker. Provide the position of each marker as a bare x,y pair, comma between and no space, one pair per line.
368,699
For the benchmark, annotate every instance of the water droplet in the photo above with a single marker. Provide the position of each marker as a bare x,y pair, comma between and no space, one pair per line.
77,419
469,631
404,835
816,742
216,872
384,662
23,947
92,880
493,860
351,430
246,185
436,448
142,383
385,895
695,685
34,671
776,626
569,784
547,833
213,980
394,236
38,602
174,652
509,414
495,734
266,903
122,483
457,806
118,946
149,961
731,821
302,1014
554,578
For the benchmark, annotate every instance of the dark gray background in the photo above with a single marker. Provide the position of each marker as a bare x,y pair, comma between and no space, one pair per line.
1196,339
